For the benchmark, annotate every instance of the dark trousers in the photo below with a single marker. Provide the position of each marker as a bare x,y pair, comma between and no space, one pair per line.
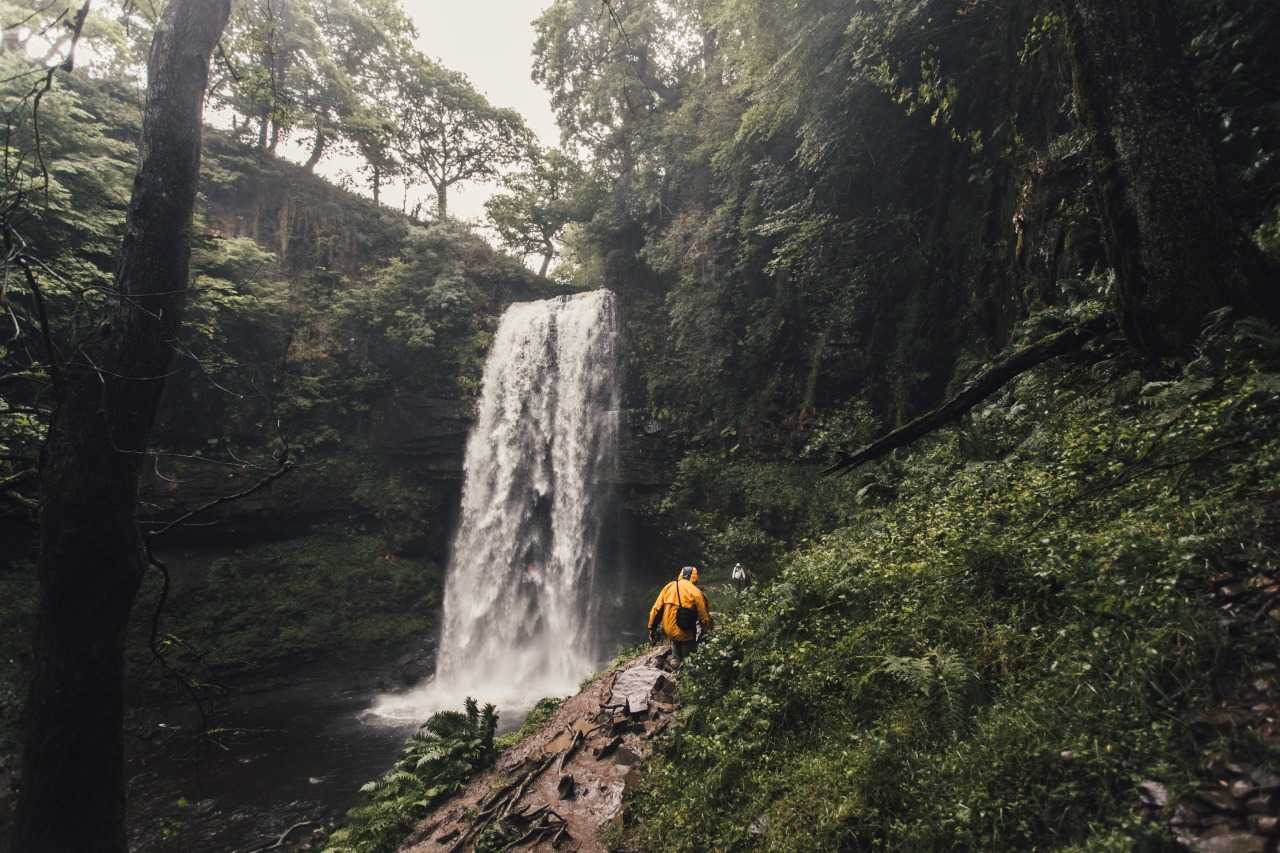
683,648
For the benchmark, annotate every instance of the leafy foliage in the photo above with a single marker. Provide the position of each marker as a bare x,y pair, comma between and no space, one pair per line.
437,761
539,202
993,658
450,133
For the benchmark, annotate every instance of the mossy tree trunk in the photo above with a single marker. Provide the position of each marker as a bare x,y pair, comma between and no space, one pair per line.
1176,251
73,791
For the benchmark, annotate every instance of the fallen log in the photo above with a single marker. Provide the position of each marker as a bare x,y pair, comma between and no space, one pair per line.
976,390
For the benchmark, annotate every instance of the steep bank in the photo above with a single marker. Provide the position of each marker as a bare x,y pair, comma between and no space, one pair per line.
1052,628
1007,630
564,784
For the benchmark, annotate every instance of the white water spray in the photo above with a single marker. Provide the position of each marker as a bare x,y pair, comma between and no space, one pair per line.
521,608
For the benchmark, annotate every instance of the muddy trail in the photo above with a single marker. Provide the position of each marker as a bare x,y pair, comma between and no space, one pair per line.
561,788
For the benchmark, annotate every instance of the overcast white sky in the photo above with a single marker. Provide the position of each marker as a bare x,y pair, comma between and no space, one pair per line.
491,41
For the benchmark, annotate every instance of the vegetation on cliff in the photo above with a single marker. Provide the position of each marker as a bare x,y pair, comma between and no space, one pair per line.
822,220
1013,633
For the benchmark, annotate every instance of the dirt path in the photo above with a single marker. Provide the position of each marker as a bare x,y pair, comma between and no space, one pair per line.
559,789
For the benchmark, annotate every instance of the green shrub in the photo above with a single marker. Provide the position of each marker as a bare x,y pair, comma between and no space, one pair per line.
438,761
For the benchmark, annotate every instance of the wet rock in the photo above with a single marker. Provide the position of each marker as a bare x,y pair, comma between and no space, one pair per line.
1183,816
1264,824
634,686
1241,789
1258,805
416,666
1214,801
1230,842
1154,794
1265,781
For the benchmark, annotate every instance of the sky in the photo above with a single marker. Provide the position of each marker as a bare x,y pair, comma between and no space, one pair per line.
491,41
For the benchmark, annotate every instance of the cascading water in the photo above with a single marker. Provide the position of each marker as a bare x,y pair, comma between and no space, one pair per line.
521,603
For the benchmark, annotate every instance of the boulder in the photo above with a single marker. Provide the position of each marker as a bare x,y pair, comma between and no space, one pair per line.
634,686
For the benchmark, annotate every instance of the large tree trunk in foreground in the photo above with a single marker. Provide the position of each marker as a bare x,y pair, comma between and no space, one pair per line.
73,787
1176,250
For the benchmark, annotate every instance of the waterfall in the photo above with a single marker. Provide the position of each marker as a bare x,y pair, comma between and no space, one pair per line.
521,602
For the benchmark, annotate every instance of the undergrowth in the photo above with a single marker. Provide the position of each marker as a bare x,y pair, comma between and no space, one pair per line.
993,657
437,762
274,603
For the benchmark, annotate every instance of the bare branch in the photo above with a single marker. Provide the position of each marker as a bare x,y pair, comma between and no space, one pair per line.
976,390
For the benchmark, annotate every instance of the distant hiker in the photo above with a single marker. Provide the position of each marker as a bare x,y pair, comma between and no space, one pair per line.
680,608
741,578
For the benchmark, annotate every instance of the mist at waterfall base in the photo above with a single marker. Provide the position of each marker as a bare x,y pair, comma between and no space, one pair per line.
527,588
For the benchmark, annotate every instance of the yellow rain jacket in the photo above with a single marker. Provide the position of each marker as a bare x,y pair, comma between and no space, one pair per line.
687,594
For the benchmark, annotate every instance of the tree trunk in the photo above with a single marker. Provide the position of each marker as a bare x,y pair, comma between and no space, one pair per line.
442,202
546,262
375,180
73,787
274,143
317,151
1176,252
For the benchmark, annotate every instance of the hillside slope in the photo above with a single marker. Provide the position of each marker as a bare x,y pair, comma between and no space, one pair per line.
1014,625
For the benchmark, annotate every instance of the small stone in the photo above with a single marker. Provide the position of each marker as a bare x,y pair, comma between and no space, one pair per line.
1258,805
1183,816
1153,794
1067,755
1219,801
1264,824
1230,842
1266,781
1240,789
1216,820
1232,590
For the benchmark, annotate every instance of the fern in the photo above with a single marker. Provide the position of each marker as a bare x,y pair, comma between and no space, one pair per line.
940,677
436,762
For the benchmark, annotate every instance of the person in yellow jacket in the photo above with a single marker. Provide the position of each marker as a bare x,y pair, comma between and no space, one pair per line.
680,608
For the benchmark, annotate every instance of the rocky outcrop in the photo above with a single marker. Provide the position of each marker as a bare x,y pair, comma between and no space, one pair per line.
561,788
431,430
